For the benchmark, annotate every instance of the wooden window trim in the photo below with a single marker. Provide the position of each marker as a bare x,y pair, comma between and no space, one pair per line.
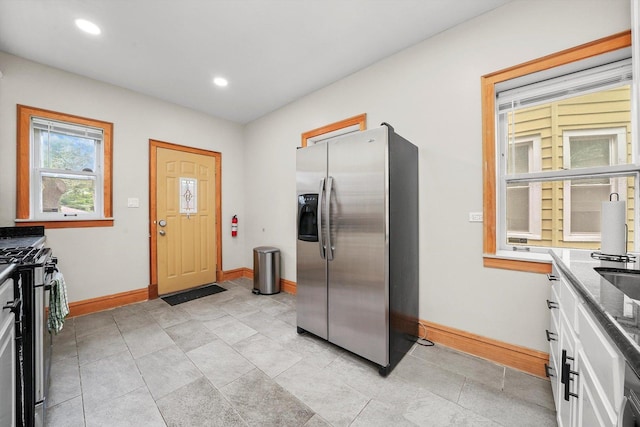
488,83
360,120
23,171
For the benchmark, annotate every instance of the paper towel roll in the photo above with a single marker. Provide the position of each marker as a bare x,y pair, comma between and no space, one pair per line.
613,231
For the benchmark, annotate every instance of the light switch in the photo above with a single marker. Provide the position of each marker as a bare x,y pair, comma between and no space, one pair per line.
133,202
475,216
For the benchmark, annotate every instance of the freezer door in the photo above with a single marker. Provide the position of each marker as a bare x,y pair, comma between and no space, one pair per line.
311,280
358,290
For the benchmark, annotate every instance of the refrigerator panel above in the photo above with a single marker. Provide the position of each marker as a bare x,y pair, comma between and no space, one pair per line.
311,288
358,294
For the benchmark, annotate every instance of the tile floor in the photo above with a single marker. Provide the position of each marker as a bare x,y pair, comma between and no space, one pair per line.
235,359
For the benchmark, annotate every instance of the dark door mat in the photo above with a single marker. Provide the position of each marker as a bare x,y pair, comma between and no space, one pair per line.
192,294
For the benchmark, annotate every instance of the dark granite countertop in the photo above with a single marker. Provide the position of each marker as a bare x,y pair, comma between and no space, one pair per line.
618,314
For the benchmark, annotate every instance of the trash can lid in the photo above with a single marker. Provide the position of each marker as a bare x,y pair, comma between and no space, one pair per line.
264,249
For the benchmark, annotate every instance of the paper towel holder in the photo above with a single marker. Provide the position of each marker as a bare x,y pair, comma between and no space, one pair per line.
616,258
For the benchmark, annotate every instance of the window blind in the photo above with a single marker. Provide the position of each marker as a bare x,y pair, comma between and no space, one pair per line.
66,128
608,76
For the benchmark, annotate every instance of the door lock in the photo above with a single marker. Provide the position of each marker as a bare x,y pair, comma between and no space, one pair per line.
162,232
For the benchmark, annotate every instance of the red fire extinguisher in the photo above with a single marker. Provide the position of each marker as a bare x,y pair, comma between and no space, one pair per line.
234,226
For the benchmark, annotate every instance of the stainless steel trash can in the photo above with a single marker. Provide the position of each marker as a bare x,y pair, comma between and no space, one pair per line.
266,270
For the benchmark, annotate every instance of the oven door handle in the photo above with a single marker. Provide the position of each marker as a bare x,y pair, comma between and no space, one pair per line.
46,286
13,306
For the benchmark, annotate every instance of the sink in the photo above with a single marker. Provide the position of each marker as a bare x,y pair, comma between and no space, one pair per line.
628,281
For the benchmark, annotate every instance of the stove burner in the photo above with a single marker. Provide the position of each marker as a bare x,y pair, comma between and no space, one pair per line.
19,255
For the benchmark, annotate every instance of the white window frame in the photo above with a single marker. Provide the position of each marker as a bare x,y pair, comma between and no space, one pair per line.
618,150
535,189
37,172
529,91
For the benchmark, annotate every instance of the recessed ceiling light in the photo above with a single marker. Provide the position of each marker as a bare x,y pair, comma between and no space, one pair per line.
220,81
88,26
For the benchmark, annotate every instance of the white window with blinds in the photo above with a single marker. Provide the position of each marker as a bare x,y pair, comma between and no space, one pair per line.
67,171
564,142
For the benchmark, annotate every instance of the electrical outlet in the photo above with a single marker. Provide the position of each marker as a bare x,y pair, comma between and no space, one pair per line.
475,216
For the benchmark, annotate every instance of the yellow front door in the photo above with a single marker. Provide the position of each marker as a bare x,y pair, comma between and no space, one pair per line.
186,232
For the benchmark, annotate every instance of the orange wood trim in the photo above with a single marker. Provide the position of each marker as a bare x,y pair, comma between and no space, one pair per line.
153,174
153,291
597,47
106,302
23,166
107,176
238,273
517,265
517,357
488,82
183,148
24,115
360,120
68,224
288,286
153,213
218,213
488,167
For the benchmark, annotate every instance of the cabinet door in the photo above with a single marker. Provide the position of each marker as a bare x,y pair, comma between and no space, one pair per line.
605,361
567,408
593,407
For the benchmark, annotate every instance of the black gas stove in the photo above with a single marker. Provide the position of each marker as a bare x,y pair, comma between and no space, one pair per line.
21,255
24,248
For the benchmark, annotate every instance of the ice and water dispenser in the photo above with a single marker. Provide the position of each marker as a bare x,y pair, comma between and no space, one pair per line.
307,217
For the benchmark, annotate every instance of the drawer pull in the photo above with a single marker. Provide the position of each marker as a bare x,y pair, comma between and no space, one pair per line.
13,306
552,304
550,335
565,377
567,393
552,278
547,371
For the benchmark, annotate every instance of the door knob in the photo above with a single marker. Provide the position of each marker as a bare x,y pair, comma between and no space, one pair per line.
162,223
162,232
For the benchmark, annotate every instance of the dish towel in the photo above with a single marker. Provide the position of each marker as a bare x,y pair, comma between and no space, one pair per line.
58,303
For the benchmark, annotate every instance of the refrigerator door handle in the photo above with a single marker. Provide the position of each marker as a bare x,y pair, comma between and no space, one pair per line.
323,254
329,247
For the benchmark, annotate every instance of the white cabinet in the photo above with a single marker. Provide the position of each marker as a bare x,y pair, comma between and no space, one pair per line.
585,368
593,410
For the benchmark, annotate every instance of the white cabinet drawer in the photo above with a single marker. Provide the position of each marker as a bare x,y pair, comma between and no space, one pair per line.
603,357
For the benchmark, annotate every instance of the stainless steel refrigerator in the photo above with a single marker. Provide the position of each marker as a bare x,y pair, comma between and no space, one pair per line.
357,243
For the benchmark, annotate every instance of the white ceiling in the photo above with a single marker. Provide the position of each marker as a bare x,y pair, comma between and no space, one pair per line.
271,51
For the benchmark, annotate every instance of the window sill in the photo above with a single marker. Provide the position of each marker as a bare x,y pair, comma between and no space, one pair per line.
106,222
519,261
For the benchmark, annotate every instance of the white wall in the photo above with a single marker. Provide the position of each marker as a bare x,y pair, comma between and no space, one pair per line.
430,93
104,261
